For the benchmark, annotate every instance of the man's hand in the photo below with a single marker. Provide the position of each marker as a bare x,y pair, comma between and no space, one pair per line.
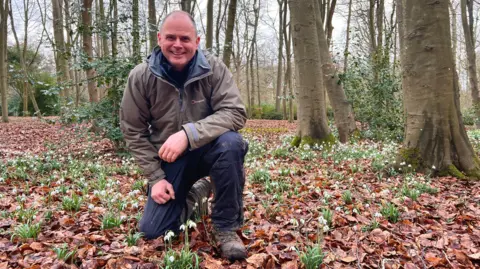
162,192
175,145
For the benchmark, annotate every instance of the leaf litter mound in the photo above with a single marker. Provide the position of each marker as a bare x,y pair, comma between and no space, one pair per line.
345,199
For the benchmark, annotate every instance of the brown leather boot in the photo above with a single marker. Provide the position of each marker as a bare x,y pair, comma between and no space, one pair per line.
231,245
197,201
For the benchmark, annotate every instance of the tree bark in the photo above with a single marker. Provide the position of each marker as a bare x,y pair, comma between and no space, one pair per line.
312,124
87,48
135,33
60,52
467,23
342,109
280,56
188,6
288,72
329,26
4,10
114,27
454,30
152,24
434,131
227,48
209,37
347,39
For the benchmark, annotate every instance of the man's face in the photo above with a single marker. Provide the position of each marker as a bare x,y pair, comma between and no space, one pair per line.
178,40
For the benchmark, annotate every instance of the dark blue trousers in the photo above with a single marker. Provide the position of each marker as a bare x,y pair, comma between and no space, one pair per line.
222,160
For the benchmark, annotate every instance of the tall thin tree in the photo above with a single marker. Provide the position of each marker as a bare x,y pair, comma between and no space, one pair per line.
4,10
227,48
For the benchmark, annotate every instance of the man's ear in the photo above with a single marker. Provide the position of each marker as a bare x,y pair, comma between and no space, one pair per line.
198,40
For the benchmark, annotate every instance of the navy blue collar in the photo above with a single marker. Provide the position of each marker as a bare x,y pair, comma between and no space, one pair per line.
160,67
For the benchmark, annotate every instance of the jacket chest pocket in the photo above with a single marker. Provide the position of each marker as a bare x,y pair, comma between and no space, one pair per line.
198,106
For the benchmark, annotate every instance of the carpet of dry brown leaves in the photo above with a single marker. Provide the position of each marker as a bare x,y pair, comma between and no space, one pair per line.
440,230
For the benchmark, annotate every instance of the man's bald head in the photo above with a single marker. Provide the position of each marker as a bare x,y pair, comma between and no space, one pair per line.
178,14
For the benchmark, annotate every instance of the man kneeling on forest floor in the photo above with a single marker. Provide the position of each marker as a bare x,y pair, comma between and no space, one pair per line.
180,114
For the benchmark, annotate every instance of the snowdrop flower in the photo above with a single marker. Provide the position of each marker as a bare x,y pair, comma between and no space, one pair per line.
367,205
204,199
135,205
326,228
409,165
91,206
338,209
377,215
191,224
293,248
171,258
14,191
182,227
302,221
433,167
294,222
168,236
322,221
355,211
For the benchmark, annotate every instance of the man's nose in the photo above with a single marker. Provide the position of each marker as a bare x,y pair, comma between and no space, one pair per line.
177,42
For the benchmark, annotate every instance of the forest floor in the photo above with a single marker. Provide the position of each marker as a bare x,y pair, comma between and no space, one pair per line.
67,200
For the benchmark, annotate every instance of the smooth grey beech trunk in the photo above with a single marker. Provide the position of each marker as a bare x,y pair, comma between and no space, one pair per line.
434,132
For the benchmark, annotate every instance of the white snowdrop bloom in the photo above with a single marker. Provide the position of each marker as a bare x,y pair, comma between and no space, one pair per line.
302,221
182,227
322,220
294,222
367,205
326,228
171,258
402,163
338,209
191,224
355,211
103,193
433,167
350,179
168,236
91,206
14,191
409,165
18,207
95,192
293,248
135,205
377,215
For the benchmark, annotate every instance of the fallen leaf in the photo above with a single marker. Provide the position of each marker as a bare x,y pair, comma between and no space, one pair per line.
290,265
348,259
475,256
257,260
4,265
433,259
210,263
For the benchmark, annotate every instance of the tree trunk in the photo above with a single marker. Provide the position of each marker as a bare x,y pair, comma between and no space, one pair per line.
343,112
434,131
312,124
227,48
27,91
467,19
280,56
256,11
220,17
60,59
188,6
103,33
87,48
347,39
288,72
454,30
114,27
371,27
4,10
209,38
329,26
135,33
152,24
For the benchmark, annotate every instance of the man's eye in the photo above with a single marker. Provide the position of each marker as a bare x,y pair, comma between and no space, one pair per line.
185,39
170,38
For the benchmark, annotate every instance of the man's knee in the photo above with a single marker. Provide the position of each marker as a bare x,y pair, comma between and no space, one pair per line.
232,142
149,229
